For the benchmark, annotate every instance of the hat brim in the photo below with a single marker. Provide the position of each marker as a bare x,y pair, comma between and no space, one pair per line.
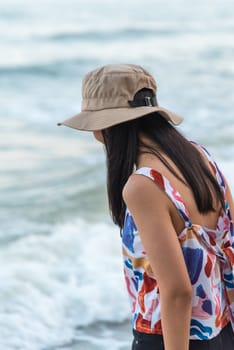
102,119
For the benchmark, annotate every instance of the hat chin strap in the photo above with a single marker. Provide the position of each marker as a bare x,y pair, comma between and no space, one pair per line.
143,98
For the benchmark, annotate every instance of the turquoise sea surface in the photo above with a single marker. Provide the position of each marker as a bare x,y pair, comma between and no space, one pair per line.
61,277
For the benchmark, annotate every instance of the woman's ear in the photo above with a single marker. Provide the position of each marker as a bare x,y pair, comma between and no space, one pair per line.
98,136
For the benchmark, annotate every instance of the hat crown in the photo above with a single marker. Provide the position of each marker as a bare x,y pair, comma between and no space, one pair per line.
112,86
116,93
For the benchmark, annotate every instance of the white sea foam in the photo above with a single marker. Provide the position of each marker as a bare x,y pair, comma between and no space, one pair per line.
53,283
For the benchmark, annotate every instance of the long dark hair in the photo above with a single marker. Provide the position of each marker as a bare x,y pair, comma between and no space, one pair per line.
122,145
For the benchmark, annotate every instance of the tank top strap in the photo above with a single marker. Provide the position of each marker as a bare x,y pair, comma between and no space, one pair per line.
170,191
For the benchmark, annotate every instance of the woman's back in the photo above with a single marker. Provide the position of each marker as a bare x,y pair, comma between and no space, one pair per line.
209,219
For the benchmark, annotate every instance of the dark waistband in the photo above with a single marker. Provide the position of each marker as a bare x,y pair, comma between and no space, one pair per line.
158,339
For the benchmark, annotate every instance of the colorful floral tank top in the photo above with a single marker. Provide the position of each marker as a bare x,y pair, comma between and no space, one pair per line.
209,257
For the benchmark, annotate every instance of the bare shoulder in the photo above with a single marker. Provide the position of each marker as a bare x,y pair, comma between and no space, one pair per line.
134,183
141,190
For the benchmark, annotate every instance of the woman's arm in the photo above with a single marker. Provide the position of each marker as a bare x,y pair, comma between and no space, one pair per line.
150,208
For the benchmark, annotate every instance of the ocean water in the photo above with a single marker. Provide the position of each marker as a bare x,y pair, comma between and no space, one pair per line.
61,271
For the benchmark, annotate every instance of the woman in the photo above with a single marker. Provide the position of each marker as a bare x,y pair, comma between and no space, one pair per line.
174,209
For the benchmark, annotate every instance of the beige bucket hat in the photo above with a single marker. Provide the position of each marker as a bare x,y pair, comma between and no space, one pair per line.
109,98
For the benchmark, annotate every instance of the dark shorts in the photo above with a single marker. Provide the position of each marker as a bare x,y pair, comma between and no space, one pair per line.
223,341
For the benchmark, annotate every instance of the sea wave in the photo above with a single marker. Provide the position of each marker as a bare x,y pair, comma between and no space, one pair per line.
54,68
53,284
